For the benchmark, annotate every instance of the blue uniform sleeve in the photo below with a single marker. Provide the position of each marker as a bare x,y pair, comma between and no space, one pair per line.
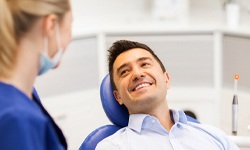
20,131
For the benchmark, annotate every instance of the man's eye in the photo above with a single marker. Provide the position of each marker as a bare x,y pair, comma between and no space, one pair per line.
123,72
145,64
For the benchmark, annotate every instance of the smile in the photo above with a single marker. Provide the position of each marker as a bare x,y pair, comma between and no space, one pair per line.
141,86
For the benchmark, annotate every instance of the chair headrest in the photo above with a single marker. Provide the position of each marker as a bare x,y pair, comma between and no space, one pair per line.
117,114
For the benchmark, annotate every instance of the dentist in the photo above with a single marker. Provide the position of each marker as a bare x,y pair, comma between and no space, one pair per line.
33,37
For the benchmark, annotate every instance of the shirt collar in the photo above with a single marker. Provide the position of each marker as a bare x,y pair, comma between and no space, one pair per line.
178,116
136,121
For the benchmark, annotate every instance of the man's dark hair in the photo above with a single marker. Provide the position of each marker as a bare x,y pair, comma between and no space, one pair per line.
121,46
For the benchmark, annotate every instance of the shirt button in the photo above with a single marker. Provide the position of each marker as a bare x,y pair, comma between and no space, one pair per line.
153,121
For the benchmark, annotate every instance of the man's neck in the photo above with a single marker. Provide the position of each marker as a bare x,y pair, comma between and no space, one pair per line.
162,113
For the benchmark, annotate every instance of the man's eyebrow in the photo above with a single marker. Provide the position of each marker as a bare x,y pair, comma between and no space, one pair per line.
138,60
144,58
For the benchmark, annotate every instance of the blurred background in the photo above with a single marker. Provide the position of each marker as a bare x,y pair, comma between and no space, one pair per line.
203,44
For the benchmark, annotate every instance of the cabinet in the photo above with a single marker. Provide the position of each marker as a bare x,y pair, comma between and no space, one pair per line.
77,114
188,58
236,59
77,71
70,93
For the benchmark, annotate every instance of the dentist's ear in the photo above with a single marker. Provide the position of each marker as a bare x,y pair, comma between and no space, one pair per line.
117,97
167,79
50,24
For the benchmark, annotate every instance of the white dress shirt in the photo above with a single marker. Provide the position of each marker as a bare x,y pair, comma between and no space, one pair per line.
144,132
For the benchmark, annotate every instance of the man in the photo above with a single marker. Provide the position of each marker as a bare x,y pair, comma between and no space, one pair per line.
140,82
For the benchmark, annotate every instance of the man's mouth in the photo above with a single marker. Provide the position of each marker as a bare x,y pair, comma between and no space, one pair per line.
141,86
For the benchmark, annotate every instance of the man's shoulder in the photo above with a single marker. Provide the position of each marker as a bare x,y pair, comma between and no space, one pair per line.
207,128
114,140
117,135
216,133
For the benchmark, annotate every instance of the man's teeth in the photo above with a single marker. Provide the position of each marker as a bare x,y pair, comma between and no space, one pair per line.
142,85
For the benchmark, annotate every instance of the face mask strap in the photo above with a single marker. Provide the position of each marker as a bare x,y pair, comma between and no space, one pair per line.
57,57
58,37
45,46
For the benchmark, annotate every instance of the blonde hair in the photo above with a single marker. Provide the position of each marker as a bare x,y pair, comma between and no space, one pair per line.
17,17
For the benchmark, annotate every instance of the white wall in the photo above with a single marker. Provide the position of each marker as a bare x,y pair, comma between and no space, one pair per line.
98,11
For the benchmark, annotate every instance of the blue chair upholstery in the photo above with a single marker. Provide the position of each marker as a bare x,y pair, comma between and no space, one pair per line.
117,114
97,135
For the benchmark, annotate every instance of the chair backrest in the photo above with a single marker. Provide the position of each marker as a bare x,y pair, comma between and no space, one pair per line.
97,135
117,114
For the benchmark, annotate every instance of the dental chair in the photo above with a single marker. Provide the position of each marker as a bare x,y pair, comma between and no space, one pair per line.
117,114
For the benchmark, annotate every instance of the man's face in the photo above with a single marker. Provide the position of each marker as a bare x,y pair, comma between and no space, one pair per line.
141,83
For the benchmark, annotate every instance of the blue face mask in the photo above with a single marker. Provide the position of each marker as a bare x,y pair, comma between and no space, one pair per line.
45,62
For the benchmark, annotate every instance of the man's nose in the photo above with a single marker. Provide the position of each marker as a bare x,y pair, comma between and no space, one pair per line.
138,73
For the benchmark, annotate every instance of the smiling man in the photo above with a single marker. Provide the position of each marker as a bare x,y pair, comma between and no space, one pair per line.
140,82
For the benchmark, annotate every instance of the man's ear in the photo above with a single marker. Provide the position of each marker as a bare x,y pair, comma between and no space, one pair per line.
117,97
167,79
50,24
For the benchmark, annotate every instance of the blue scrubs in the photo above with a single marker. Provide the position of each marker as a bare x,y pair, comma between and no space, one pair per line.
25,124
